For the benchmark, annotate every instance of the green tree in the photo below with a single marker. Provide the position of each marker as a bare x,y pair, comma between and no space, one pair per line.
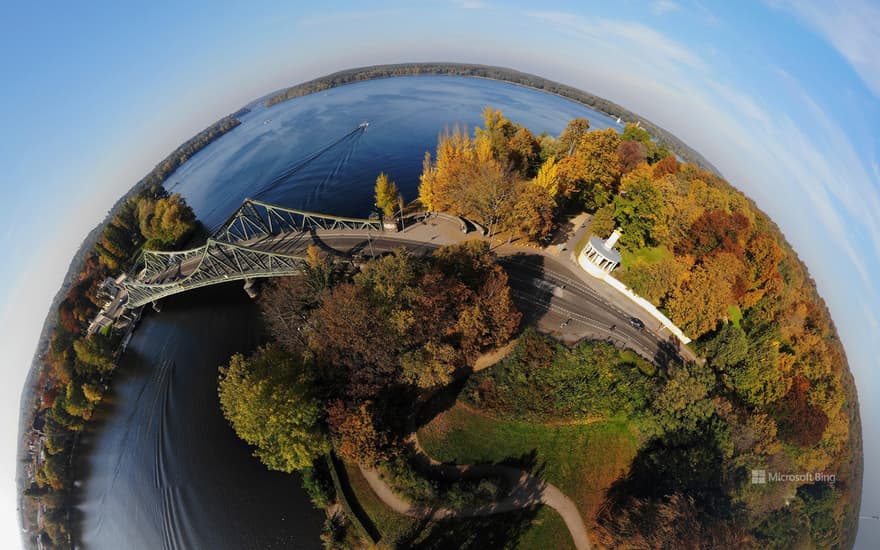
683,402
637,209
269,400
728,348
757,378
95,351
76,402
631,132
386,194
603,222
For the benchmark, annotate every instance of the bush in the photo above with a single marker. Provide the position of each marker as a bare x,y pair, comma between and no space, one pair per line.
318,484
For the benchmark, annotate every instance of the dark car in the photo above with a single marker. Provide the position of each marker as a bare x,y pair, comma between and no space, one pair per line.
637,323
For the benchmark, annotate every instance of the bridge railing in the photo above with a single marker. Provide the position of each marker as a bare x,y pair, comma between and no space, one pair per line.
226,255
212,263
255,218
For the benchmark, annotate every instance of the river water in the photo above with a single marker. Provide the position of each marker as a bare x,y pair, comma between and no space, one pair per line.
160,468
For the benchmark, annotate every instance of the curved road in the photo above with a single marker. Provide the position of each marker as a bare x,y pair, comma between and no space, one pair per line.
525,490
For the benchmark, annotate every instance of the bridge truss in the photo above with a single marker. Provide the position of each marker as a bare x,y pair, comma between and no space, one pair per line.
260,219
234,251
166,274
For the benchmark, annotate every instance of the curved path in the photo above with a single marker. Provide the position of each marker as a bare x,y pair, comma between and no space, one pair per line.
525,491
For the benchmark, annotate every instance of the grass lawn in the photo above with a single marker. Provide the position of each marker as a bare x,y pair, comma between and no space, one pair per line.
581,459
545,530
647,255
734,313
390,525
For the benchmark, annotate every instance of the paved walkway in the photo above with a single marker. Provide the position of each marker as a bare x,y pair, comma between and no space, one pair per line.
526,491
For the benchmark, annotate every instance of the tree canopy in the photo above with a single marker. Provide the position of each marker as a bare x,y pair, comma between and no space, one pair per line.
269,400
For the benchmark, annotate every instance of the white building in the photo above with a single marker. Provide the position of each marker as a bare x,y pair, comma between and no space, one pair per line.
599,258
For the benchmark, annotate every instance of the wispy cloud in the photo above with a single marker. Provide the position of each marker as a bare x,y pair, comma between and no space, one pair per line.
661,7
742,102
470,4
852,27
624,35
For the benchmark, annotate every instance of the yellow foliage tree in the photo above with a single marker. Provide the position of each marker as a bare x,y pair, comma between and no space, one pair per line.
386,194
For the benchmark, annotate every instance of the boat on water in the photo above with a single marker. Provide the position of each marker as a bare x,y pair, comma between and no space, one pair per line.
363,124
618,120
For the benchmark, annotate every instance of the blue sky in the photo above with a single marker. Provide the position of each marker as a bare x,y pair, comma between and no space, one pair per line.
782,96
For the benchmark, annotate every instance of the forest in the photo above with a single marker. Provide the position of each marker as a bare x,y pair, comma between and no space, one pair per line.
79,368
707,257
74,371
364,350
503,74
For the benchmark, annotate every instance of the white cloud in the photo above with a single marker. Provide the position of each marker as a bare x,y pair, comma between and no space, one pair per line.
470,4
661,7
744,103
852,27
627,37
811,178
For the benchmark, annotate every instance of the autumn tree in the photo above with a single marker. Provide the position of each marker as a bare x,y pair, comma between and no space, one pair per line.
356,435
699,302
596,156
467,179
668,166
572,135
800,422
269,400
165,222
386,194
630,154
603,222
524,152
549,180
532,216
715,231
430,365
637,209
497,131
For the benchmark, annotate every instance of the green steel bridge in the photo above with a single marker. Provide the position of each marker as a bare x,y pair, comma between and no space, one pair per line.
259,240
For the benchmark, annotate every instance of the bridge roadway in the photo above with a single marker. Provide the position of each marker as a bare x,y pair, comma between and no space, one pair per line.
549,290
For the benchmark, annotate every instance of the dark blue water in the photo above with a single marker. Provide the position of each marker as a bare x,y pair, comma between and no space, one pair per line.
161,469
405,115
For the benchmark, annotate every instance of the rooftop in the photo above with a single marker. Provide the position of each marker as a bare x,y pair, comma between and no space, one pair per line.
608,253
